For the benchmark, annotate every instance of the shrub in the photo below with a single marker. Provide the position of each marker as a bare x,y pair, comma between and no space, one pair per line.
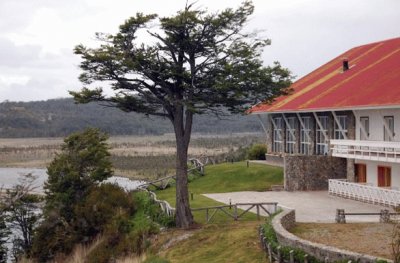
257,152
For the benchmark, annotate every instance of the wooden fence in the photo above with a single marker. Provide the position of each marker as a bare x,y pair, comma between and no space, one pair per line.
384,216
232,211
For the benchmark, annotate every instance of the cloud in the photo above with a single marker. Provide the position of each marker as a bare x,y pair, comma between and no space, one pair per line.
37,36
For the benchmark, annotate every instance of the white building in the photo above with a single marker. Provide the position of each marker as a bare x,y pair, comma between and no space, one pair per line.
339,128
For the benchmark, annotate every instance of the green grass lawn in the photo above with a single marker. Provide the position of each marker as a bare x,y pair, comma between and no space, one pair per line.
235,242
223,178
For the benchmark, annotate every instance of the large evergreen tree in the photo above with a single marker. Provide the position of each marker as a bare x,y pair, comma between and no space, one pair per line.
191,63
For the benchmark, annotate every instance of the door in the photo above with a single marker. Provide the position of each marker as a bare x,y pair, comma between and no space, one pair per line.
384,176
361,173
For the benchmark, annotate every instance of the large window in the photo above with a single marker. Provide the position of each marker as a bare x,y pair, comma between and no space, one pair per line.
384,176
364,121
341,130
322,130
388,135
277,135
290,134
305,130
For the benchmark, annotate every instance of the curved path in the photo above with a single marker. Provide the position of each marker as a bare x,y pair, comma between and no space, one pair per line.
311,206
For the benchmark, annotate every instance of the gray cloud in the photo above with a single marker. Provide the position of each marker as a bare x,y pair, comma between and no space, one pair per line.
36,60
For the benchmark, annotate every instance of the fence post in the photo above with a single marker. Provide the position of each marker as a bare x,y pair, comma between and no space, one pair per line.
291,258
269,252
258,212
340,216
206,215
384,216
306,258
279,259
235,213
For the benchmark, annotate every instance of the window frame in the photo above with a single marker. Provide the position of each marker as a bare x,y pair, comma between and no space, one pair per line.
338,131
290,139
277,138
391,128
305,141
321,143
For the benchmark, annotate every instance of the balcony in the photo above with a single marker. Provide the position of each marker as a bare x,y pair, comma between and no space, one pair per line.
367,150
365,193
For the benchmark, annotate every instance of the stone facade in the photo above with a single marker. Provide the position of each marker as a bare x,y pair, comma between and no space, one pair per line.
286,220
311,172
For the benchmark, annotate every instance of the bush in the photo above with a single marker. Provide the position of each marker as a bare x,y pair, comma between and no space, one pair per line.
257,152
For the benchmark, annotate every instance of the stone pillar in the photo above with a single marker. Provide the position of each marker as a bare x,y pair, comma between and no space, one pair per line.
351,173
351,135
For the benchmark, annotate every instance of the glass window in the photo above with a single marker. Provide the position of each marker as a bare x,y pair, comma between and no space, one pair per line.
290,134
364,121
277,135
305,130
342,129
388,135
322,143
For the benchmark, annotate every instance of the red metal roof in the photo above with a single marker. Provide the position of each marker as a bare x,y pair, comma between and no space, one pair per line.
373,80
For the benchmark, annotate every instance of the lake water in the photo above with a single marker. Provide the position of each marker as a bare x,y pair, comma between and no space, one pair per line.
9,177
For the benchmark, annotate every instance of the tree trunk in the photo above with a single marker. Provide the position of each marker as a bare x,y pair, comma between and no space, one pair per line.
184,217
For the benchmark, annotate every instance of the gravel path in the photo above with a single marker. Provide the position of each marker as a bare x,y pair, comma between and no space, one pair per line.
312,206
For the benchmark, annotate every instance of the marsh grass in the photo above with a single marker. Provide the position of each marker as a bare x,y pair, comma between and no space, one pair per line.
133,156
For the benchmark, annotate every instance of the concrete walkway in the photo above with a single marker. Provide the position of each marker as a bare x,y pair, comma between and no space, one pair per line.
313,206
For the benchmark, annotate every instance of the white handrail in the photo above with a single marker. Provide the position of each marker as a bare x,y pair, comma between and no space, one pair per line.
367,150
366,193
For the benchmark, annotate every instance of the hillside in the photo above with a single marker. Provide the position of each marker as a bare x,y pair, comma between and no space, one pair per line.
59,117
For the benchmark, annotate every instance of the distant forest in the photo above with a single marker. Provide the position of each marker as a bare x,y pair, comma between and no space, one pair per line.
59,117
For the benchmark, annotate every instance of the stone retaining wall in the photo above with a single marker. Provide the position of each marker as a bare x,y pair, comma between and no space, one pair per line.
311,172
286,220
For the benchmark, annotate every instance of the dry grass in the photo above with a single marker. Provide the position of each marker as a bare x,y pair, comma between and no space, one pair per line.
367,238
234,242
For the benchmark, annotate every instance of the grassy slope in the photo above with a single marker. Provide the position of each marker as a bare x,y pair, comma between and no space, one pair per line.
228,242
226,177
236,242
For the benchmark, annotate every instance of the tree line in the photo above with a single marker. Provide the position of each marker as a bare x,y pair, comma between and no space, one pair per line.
60,117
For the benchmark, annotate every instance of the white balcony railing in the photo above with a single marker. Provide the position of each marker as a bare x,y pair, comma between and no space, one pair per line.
367,150
365,193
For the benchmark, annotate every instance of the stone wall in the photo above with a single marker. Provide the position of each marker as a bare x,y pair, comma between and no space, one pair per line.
286,220
311,172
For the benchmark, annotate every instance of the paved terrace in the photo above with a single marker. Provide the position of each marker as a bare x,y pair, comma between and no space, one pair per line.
312,206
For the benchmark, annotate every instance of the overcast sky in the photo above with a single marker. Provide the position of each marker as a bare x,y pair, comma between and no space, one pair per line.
37,36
